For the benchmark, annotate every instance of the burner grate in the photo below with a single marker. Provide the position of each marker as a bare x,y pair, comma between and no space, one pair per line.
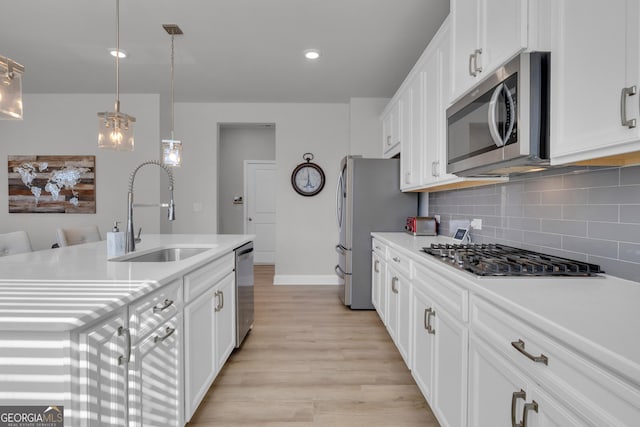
492,259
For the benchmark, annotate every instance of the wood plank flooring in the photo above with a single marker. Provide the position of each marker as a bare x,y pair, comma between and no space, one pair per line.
310,361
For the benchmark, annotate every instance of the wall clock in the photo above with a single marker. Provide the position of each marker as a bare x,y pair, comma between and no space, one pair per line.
307,178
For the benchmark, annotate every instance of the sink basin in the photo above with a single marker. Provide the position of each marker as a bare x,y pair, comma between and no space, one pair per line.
168,254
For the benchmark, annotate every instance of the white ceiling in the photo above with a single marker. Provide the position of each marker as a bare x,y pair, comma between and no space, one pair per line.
231,50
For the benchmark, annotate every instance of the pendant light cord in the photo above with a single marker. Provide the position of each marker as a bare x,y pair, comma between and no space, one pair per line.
117,107
172,36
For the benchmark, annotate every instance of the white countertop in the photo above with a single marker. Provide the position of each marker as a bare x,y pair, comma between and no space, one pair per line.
66,288
597,316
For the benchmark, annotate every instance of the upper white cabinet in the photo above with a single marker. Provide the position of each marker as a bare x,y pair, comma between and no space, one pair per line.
595,79
485,34
391,131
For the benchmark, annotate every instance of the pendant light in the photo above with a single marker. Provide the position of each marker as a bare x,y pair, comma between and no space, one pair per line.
171,148
10,89
115,130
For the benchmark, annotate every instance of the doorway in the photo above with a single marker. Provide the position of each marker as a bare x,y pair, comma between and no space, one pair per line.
239,143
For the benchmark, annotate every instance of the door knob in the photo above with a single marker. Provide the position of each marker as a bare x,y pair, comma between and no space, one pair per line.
250,219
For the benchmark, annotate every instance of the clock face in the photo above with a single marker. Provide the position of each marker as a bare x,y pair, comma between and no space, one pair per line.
307,179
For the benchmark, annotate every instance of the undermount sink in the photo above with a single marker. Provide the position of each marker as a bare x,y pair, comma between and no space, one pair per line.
167,254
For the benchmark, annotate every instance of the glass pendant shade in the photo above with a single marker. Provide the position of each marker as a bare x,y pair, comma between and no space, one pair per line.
171,152
10,89
115,131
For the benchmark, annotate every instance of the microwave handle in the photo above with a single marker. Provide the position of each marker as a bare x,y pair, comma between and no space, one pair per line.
493,107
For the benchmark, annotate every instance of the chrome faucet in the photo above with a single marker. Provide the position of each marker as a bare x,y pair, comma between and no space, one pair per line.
131,238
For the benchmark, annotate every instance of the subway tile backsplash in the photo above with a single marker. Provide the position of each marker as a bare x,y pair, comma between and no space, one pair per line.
591,215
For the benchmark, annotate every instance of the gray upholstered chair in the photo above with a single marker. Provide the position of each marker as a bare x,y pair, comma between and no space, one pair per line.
77,235
14,243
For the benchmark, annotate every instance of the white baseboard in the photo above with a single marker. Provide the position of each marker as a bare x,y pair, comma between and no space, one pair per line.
310,279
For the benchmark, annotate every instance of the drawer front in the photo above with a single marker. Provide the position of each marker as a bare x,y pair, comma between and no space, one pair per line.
402,263
153,310
198,281
379,248
452,297
585,386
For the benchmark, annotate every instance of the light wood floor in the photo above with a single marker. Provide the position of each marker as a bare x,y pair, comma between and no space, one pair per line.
310,361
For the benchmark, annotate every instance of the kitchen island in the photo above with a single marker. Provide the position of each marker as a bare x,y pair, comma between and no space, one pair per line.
108,340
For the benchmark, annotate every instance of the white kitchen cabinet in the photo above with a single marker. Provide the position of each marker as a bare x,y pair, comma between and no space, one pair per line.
200,354
391,130
440,358
399,311
156,367
225,320
595,71
105,350
485,34
581,388
500,393
377,284
412,141
209,322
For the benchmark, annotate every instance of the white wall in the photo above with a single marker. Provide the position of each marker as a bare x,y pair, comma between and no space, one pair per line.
305,226
237,144
365,129
68,124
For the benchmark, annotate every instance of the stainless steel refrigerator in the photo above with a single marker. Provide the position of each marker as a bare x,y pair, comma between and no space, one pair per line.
368,198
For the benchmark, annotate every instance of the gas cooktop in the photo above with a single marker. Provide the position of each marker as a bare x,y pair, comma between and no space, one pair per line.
494,259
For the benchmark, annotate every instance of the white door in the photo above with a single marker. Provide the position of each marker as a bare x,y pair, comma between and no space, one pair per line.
260,208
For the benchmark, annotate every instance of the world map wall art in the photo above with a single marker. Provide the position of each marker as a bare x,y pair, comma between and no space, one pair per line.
52,184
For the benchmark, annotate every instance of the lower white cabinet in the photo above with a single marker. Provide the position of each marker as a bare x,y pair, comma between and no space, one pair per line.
378,300
501,396
440,358
225,320
209,322
104,355
399,311
156,366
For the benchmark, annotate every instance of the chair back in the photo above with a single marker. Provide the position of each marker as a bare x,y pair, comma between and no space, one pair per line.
77,235
14,243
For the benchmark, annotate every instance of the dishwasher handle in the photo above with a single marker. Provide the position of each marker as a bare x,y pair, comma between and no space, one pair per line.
244,252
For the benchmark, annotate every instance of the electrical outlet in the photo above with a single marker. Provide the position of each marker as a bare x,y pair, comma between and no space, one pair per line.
476,224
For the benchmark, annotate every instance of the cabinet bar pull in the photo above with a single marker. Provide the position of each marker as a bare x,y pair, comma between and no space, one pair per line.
514,400
471,72
376,266
168,332
221,300
217,296
394,285
626,92
125,331
519,345
533,406
430,329
166,304
475,61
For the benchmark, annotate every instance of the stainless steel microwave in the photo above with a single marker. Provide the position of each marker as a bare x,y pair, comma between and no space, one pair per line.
502,125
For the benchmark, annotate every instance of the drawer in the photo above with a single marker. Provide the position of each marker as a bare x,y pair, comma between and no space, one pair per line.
449,295
379,248
153,310
198,281
402,263
587,387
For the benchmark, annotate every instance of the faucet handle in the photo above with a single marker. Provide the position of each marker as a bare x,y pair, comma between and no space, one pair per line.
138,239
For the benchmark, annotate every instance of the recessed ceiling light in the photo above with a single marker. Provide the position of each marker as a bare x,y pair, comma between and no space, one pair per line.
114,52
312,54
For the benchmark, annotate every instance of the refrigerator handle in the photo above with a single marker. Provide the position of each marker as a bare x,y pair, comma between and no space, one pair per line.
339,207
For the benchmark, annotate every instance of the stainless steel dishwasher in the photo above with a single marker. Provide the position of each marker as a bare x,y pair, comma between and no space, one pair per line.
244,291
